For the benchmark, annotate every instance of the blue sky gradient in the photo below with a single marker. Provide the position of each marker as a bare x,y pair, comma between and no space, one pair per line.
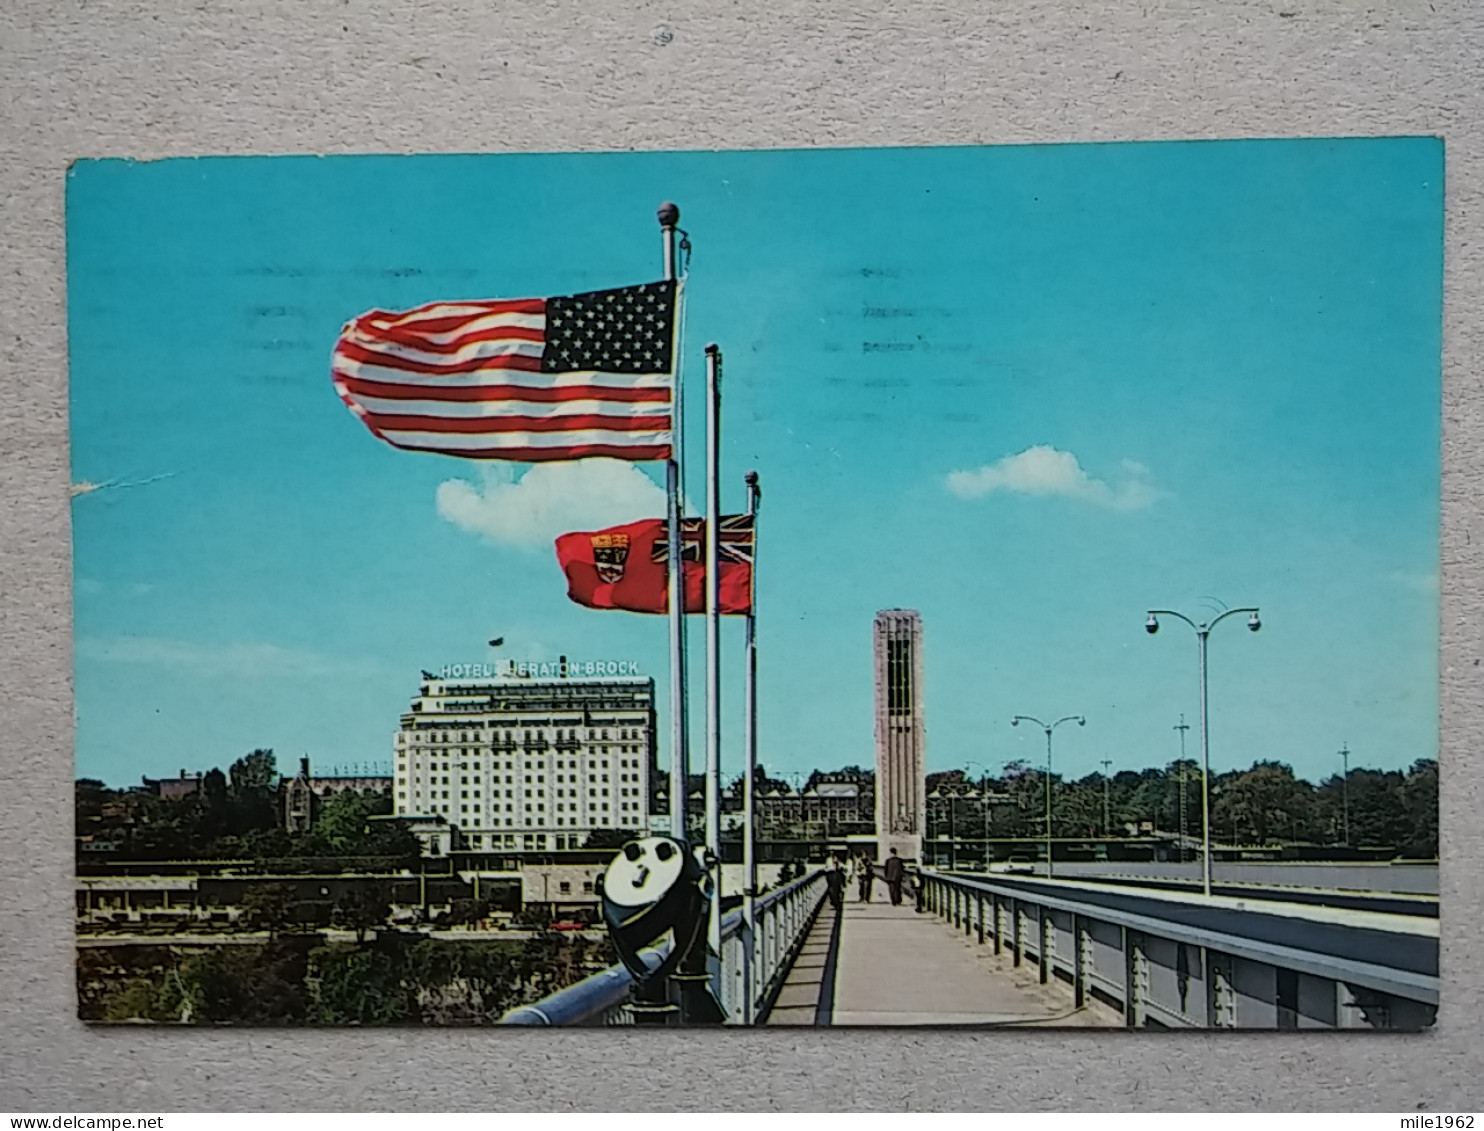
1165,373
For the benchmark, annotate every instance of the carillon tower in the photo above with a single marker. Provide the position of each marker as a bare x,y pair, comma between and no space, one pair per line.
900,736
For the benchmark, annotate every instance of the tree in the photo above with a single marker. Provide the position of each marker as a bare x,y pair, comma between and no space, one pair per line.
362,908
250,793
354,985
265,907
1420,802
1263,802
344,827
251,985
252,772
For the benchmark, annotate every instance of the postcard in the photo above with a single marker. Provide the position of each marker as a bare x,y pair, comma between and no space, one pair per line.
1053,640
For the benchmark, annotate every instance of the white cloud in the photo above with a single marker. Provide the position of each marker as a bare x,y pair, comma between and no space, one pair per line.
241,659
549,499
1425,582
1044,470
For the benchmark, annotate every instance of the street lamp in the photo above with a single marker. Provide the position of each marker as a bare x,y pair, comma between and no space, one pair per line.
1048,728
983,808
1202,632
1105,763
933,823
1345,790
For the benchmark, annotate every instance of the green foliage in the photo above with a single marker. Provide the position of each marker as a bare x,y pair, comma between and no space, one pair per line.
355,985
362,908
234,815
140,999
249,985
253,772
344,827
395,979
265,907
1420,802
1264,805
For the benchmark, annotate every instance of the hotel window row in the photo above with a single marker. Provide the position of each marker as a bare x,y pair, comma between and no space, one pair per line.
562,773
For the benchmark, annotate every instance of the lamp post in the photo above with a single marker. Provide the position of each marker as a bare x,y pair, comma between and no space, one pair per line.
1048,728
983,808
933,819
1105,763
1345,790
952,832
1182,726
1202,633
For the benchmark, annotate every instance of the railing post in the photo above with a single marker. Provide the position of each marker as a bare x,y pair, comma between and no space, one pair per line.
1135,978
1017,942
1047,932
1079,973
994,904
1221,997
979,909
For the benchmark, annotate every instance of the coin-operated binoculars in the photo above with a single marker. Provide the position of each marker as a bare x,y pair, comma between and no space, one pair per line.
656,888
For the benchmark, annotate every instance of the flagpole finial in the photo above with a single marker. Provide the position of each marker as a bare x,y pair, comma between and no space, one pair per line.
750,479
669,214
712,347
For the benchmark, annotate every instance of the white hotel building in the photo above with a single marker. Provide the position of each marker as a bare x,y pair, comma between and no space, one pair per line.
526,761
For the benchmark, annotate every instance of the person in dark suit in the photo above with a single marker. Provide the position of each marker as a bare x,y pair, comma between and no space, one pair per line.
895,870
867,877
834,881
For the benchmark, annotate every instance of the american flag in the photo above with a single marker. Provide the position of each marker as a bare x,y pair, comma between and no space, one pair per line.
519,379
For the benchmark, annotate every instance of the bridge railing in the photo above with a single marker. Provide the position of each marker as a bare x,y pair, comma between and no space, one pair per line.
782,919
1168,963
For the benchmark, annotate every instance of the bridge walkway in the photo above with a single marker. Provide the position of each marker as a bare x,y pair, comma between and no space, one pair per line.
806,994
896,966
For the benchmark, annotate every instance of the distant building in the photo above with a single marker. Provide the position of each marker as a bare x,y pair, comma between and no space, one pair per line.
826,810
329,785
511,762
297,801
300,797
900,733
174,789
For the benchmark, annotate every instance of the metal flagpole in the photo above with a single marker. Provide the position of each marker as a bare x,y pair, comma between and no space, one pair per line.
713,632
669,216
749,785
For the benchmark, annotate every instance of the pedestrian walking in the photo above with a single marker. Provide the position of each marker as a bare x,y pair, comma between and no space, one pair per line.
894,871
867,877
834,882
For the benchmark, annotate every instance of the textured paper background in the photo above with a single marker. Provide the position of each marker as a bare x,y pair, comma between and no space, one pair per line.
111,78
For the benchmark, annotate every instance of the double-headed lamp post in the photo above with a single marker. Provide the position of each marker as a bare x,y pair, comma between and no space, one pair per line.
1048,728
1202,632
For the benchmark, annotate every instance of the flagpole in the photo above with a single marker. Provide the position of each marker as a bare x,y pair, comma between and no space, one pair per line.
713,633
669,216
749,723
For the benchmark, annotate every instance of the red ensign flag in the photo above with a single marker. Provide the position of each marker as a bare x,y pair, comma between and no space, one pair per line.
625,567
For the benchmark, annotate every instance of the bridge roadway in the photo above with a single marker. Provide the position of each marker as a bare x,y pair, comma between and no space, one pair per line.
1387,903
1336,926
878,964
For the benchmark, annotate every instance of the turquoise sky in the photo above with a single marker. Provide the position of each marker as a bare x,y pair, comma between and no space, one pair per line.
1165,374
